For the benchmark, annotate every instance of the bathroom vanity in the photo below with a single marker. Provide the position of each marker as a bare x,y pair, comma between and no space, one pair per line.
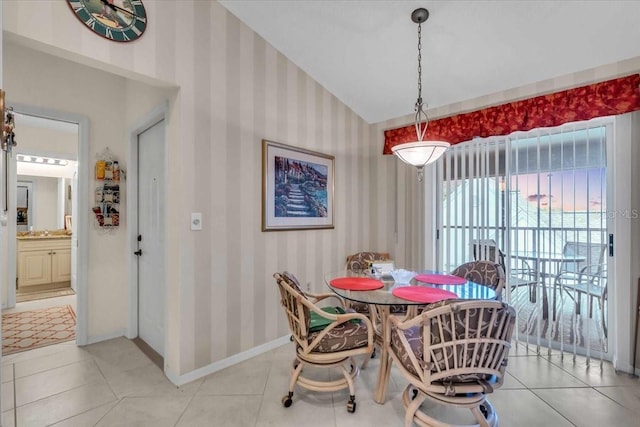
44,261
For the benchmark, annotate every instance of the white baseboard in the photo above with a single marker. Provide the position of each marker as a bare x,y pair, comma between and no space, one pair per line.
224,363
110,336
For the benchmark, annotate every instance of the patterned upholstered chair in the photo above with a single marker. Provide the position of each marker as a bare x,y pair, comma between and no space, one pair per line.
454,354
332,345
487,273
358,263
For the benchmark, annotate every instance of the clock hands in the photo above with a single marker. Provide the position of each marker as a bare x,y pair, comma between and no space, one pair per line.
118,8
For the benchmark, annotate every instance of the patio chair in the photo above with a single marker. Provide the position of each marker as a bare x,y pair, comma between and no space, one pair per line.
486,273
520,272
592,252
324,338
454,354
588,278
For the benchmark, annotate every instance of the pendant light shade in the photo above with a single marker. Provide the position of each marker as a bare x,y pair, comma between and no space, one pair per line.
421,152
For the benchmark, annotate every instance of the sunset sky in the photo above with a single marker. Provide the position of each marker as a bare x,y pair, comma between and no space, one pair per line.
578,190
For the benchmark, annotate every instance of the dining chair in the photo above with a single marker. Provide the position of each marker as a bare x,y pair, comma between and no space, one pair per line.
326,337
454,354
487,273
520,272
359,263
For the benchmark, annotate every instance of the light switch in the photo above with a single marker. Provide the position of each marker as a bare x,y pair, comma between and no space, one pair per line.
196,221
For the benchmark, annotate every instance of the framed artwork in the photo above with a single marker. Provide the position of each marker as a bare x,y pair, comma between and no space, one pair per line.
297,188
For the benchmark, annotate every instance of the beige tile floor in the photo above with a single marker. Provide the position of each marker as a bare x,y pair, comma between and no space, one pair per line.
113,384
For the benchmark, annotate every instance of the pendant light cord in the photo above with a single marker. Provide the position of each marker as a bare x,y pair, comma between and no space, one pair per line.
421,115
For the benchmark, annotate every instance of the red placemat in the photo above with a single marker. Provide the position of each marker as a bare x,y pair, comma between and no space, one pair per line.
423,294
356,283
441,279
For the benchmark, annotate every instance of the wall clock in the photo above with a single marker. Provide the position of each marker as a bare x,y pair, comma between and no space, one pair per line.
117,20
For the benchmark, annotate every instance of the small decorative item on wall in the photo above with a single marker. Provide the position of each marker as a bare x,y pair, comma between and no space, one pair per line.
106,209
297,188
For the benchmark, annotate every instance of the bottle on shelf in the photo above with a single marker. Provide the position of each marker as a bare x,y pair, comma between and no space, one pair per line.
100,169
108,170
116,171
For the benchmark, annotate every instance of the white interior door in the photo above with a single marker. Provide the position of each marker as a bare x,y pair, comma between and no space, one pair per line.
151,236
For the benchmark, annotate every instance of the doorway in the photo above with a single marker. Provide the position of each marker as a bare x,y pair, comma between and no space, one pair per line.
43,168
146,186
540,199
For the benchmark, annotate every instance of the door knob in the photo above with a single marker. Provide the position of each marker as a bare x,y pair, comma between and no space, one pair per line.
138,252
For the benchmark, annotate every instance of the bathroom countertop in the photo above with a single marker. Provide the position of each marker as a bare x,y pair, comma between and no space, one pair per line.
42,236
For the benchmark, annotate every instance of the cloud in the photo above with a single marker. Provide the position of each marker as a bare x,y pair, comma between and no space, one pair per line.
595,203
540,197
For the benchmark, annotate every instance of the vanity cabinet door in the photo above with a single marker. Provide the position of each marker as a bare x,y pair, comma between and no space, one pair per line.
35,268
61,265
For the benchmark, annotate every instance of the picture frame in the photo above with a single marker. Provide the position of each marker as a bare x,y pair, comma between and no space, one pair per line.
297,188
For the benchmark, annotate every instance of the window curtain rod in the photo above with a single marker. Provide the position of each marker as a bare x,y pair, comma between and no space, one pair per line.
612,97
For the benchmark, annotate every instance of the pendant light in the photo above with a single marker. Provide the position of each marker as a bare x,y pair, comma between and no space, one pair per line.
420,152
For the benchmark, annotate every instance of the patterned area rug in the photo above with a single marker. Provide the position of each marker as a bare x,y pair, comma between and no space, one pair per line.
38,328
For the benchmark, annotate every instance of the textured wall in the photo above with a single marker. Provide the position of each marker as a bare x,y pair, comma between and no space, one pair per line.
234,90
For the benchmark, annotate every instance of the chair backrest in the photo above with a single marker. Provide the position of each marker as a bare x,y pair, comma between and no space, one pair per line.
486,273
359,262
298,314
487,249
593,252
458,342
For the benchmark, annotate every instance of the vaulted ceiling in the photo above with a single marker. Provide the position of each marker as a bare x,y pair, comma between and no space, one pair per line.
365,52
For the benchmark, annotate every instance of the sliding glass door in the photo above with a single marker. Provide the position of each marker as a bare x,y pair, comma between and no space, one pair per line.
535,202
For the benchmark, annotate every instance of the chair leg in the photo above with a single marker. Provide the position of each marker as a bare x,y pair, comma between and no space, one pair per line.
412,407
295,373
486,417
351,404
603,317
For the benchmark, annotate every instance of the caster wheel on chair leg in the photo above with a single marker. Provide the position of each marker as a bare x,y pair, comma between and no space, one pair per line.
351,404
286,400
484,410
373,354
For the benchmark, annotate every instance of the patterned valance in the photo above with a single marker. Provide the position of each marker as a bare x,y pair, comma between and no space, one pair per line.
608,98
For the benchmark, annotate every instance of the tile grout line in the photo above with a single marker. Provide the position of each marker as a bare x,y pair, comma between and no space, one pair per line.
549,405
15,403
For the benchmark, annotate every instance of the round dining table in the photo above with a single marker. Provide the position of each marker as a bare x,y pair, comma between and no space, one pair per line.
381,299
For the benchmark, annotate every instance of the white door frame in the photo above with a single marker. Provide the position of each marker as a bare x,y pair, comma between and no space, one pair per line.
82,253
147,121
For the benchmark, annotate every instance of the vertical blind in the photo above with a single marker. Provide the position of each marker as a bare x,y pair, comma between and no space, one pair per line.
535,202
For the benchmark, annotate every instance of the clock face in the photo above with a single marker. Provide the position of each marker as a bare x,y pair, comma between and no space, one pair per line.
118,20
